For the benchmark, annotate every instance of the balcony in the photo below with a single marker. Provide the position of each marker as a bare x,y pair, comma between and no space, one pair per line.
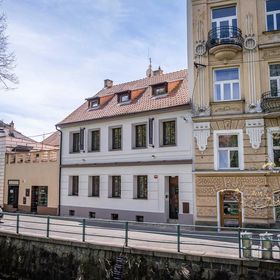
225,42
271,101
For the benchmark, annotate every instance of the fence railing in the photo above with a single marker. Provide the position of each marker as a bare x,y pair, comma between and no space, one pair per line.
234,242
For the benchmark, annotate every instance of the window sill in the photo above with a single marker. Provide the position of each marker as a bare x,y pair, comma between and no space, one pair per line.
271,32
73,195
170,145
136,198
117,197
95,151
226,101
115,150
74,152
139,148
160,96
97,196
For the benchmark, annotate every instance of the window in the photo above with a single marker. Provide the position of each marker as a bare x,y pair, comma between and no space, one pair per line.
224,20
124,97
274,71
43,196
140,219
92,215
116,138
94,186
160,89
228,149
168,133
74,185
141,136
94,104
226,84
274,145
75,142
142,187
71,212
116,186
95,140
273,15
114,217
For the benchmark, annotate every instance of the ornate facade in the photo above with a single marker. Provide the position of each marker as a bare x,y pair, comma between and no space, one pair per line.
234,72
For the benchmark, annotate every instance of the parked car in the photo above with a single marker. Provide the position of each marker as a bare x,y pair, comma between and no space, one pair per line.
1,214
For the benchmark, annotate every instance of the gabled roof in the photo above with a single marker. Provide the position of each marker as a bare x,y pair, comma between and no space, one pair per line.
143,101
52,140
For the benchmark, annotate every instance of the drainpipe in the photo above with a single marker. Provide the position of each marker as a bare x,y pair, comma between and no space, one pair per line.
59,176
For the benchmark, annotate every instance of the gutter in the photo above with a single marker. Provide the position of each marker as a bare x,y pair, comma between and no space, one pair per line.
59,176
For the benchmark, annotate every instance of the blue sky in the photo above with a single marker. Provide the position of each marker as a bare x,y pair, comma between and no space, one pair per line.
66,48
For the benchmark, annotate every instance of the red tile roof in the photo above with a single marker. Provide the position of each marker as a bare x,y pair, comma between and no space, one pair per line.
177,96
52,140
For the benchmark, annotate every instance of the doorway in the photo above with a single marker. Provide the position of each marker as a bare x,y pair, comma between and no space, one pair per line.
230,209
34,198
173,197
13,195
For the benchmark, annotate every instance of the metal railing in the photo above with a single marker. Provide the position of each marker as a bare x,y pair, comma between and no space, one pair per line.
270,101
226,35
209,240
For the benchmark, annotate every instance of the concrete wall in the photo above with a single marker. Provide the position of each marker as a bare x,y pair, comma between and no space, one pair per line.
35,258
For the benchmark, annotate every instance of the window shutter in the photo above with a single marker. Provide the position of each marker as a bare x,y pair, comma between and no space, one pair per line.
151,132
82,139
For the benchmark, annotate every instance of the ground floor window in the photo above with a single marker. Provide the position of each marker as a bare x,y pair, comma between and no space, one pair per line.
43,196
142,187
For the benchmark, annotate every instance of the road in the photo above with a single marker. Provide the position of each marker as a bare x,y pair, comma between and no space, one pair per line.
142,236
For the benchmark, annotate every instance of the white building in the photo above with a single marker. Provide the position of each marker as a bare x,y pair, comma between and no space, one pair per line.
127,152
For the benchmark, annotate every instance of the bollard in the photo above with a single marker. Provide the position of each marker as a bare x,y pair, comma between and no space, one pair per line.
266,245
246,238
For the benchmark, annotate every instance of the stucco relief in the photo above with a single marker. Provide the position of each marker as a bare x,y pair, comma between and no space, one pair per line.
264,213
206,201
201,134
255,130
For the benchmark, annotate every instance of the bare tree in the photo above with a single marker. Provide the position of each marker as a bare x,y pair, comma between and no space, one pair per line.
7,58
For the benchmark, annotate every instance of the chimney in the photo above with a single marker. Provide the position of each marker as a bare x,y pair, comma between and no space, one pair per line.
158,72
12,125
108,83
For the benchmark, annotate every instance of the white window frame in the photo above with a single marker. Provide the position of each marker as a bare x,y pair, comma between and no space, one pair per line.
270,131
277,78
221,83
90,139
239,133
274,14
219,20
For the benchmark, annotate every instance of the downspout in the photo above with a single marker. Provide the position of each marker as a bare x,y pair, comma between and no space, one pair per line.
59,174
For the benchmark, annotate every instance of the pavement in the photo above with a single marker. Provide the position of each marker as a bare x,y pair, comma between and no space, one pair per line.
161,237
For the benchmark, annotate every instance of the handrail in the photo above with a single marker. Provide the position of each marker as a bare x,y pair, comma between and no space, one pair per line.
225,35
129,233
270,101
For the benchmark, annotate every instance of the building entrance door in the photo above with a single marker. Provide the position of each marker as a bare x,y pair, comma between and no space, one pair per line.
230,209
173,197
34,199
13,196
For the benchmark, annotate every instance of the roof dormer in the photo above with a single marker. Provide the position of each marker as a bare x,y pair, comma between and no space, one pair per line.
94,103
160,89
124,97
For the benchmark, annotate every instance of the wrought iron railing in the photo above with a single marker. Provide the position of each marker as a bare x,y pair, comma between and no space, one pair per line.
238,242
271,101
227,35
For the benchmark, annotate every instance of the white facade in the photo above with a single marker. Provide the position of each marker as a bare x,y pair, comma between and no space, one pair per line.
157,163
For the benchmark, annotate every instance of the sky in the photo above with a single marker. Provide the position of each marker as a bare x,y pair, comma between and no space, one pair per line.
66,48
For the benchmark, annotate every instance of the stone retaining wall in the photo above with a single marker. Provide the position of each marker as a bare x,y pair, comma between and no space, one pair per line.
28,258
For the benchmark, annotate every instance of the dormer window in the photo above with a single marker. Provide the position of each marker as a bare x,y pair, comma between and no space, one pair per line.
94,103
160,89
124,97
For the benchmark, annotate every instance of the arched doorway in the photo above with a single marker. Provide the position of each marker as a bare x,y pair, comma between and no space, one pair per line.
276,204
230,208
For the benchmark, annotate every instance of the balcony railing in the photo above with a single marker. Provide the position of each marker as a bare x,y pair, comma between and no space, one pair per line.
271,101
226,35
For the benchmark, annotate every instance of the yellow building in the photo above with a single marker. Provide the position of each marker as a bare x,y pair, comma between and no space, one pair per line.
32,180
234,74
